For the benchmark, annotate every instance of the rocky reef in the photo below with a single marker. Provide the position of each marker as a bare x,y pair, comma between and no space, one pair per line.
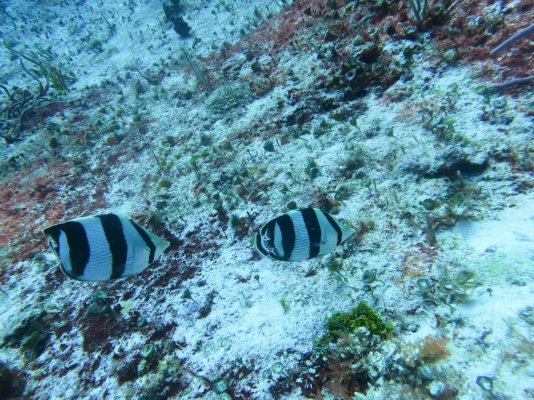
203,121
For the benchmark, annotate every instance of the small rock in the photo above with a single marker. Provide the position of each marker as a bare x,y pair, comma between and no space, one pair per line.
436,388
268,146
427,373
485,382
450,55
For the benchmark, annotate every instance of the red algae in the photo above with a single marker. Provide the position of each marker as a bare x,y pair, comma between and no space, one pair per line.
471,28
36,191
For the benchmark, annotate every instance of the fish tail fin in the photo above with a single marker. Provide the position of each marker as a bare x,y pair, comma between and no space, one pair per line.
161,245
346,231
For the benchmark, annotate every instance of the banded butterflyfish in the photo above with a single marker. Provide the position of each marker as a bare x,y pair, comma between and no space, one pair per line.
103,247
300,235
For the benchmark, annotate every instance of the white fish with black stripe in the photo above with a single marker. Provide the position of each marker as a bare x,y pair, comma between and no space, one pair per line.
300,235
103,247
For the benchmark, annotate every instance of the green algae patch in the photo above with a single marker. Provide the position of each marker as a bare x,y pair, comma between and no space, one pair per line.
363,315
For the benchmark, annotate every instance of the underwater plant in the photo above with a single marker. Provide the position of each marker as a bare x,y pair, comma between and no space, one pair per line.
514,38
448,289
419,8
361,316
23,102
200,74
43,68
504,45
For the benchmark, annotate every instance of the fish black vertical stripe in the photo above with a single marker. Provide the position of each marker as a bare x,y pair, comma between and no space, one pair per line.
314,230
268,226
78,246
268,231
147,240
335,226
117,243
53,233
288,235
